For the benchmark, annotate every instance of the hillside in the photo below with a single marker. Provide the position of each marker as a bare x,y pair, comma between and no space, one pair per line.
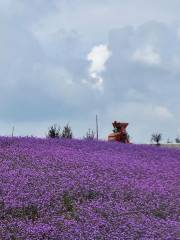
72,189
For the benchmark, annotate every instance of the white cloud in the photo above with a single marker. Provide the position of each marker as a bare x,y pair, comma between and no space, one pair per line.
147,55
98,57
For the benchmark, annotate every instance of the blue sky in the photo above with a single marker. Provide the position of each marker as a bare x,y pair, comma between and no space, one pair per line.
66,61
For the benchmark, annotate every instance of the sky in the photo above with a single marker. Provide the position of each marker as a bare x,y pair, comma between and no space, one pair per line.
64,61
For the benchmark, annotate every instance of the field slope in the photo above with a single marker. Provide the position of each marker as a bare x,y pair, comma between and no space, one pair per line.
73,190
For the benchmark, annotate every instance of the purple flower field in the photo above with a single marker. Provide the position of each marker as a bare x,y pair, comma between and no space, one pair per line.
75,189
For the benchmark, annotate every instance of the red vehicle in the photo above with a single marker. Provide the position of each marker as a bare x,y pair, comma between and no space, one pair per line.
119,133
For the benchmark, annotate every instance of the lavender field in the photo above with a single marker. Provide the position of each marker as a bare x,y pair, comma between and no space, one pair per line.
74,189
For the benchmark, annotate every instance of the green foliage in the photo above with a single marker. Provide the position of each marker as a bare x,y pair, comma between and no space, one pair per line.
90,135
54,131
177,139
26,212
67,132
115,130
161,211
156,137
68,202
169,141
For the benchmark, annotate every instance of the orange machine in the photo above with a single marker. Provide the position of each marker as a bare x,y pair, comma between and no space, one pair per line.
119,133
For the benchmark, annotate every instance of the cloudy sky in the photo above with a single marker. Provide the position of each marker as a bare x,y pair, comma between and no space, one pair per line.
64,61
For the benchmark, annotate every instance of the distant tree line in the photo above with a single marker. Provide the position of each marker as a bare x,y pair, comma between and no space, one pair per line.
157,138
54,131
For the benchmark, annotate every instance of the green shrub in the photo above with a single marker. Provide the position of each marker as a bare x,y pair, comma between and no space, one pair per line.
54,131
67,132
90,135
156,137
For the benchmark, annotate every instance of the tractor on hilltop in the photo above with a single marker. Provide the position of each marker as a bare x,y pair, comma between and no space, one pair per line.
119,133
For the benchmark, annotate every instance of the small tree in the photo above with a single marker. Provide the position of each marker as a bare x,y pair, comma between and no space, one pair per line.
54,131
169,141
156,137
67,132
177,139
90,135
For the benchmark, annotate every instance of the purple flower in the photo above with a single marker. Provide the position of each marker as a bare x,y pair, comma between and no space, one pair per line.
75,189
